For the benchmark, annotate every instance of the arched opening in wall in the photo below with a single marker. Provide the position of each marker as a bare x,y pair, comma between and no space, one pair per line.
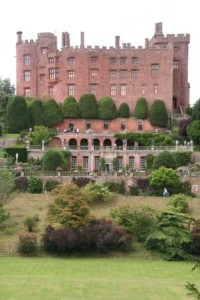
56,142
72,144
130,144
84,144
96,144
118,144
107,143
175,105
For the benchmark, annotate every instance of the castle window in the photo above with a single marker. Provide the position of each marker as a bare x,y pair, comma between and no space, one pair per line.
27,92
113,60
154,70
88,126
175,64
105,126
142,163
122,73
120,162
70,73
122,60
93,88
27,59
50,91
113,73
113,90
71,89
94,72
53,73
131,162
155,89
134,73
97,162
74,162
27,76
71,61
44,50
85,163
143,89
93,59
140,126
52,60
123,90
134,60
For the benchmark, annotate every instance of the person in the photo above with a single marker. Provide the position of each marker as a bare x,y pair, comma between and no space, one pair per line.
165,193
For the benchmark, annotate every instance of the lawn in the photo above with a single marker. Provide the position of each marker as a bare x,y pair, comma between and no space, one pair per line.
89,279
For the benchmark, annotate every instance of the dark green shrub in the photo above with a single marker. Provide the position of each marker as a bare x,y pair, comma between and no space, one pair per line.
149,161
30,222
97,193
52,159
158,114
195,115
193,131
27,243
140,221
21,183
82,181
70,108
88,106
51,113
164,159
116,187
195,248
17,114
179,203
51,184
21,151
124,111
182,158
133,191
35,107
35,185
141,109
107,109
4,215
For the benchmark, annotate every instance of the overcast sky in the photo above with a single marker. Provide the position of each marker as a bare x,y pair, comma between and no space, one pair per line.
101,21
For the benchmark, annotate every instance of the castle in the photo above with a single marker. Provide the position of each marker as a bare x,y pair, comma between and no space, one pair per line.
123,72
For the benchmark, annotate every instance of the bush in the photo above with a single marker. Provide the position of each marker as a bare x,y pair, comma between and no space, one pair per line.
82,181
164,159
141,109
140,221
30,222
27,243
116,187
51,113
35,107
98,193
35,185
21,151
179,202
195,248
4,215
183,124
70,108
124,111
21,183
7,184
158,114
88,106
107,109
51,184
133,191
182,158
52,159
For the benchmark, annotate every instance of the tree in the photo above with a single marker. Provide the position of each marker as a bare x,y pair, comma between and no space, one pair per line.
70,108
107,109
88,106
4,215
178,203
35,107
69,207
163,177
141,109
171,236
52,159
196,111
7,184
193,131
39,134
17,114
164,159
124,111
6,90
52,113
158,114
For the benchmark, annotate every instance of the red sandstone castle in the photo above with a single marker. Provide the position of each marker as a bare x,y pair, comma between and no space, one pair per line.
123,72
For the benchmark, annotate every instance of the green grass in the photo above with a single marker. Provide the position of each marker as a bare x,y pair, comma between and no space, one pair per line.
10,135
89,279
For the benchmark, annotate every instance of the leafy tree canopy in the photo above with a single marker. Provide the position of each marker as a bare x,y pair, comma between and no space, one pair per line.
165,159
35,107
195,114
52,113
39,134
193,131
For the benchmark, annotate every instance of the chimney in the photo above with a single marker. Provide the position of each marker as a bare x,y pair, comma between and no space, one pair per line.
158,28
67,39
117,42
19,37
82,40
63,39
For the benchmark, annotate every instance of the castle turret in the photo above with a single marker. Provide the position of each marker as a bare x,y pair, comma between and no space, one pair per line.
82,40
158,29
19,37
117,42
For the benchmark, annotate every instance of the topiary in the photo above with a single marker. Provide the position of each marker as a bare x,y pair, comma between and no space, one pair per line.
164,159
88,106
141,109
70,108
52,159
158,114
107,109
124,111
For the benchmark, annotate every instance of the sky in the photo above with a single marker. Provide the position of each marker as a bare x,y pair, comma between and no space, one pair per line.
101,21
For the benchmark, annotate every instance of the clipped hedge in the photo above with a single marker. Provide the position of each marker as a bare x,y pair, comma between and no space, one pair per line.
21,151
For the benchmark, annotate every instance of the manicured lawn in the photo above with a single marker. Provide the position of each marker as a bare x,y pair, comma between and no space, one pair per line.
89,279
10,135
